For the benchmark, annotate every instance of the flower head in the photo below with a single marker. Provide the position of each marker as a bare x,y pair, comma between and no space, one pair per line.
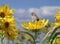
34,26
8,23
4,11
57,17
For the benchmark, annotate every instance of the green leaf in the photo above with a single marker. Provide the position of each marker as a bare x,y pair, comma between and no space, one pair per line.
52,35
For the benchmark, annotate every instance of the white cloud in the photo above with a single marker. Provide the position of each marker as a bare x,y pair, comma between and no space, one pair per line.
48,10
44,11
30,10
20,11
41,12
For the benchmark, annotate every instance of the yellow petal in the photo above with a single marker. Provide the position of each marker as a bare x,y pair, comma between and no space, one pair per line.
11,12
46,22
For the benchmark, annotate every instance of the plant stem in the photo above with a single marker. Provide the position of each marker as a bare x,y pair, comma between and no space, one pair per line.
35,35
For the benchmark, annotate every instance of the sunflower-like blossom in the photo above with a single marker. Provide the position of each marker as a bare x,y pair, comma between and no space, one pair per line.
8,25
5,11
57,18
34,26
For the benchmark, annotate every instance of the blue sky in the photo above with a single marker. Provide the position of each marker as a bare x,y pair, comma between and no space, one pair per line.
23,8
30,3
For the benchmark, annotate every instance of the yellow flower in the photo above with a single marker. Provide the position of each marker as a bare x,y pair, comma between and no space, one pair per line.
57,17
34,26
8,23
4,11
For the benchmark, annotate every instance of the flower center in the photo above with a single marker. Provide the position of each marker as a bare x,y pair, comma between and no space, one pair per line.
2,14
6,24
